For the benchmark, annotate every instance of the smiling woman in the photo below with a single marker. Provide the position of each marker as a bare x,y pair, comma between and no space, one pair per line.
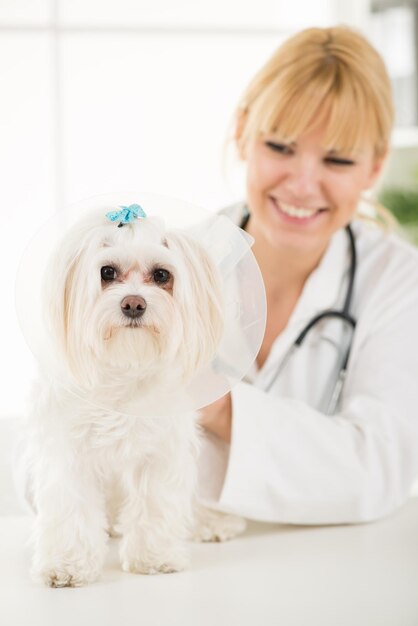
301,193
313,129
307,159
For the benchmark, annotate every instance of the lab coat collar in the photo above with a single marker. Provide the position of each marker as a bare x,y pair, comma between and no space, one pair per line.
325,286
324,289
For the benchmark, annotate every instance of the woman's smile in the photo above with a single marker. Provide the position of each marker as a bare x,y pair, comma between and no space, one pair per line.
300,196
295,214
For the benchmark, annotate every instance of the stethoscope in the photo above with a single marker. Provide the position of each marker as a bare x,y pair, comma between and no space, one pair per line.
331,397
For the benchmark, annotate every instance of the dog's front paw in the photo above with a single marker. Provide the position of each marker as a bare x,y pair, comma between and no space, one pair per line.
143,560
215,526
66,572
67,553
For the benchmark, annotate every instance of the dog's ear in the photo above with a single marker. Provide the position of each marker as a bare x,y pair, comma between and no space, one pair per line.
60,296
199,294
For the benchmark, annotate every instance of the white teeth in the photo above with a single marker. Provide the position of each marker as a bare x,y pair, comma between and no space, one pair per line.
296,211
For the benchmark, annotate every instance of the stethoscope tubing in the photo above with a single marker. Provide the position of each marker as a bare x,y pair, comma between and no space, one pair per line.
344,315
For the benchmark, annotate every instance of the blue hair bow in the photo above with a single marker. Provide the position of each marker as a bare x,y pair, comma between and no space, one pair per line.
127,215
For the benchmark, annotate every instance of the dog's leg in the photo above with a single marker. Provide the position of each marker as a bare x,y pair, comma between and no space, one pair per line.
216,526
70,527
157,518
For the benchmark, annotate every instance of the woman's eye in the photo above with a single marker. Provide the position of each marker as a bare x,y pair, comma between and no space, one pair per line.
108,273
336,161
161,276
281,148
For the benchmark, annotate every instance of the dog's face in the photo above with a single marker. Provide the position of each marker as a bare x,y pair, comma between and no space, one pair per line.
135,299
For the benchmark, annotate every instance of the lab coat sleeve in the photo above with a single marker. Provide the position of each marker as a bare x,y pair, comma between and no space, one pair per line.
290,463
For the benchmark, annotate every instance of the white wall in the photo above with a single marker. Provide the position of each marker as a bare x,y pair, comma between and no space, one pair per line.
106,95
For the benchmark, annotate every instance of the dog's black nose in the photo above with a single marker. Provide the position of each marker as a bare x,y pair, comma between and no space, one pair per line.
133,306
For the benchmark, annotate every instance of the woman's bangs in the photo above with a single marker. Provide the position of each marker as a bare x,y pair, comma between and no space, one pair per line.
291,112
342,134
329,99
298,116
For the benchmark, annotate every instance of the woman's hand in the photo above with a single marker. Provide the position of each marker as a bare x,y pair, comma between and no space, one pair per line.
217,418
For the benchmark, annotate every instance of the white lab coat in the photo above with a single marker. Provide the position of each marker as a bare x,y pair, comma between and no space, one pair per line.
287,461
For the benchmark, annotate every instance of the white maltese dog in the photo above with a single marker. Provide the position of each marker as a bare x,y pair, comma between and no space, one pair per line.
134,312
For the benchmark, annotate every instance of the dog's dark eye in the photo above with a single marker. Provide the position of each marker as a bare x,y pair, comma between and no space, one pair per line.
108,273
161,276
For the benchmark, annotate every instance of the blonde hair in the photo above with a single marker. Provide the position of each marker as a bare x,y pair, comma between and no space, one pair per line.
322,75
318,75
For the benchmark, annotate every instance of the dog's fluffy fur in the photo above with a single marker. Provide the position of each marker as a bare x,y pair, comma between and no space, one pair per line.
95,468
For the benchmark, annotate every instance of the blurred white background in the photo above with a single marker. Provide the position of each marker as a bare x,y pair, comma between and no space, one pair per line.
107,95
